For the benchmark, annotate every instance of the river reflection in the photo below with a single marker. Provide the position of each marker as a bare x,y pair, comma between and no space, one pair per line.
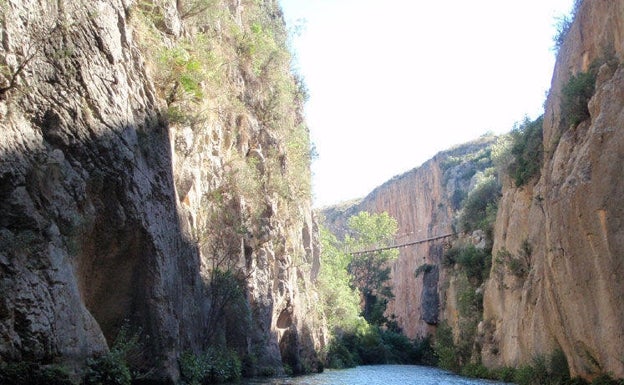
376,375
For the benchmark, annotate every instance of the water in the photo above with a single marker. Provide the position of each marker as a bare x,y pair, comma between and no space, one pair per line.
377,375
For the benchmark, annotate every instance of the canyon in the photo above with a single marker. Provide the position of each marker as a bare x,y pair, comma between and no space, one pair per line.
565,222
155,177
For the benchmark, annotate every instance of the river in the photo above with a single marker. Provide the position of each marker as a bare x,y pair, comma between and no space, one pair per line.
376,375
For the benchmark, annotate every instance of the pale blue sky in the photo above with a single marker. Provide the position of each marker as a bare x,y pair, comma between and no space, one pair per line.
394,82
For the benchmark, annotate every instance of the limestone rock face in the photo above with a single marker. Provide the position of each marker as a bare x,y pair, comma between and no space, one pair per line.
110,210
424,201
571,217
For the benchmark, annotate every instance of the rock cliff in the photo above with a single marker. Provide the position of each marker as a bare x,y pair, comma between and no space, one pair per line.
146,147
424,201
571,217
554,282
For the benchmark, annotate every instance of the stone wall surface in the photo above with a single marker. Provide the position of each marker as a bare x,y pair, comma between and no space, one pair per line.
572,297
110,211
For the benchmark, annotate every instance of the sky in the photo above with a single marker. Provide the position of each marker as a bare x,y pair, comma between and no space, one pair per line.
394,82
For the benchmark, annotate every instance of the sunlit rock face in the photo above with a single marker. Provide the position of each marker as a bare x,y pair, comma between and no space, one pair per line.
571,217
110,211
424,201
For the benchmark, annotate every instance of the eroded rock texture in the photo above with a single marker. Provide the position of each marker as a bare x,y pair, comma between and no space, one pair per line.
112,212
571,217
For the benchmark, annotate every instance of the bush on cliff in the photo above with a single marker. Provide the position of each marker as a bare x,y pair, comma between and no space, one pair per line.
576,94
527,151
29,373
479,208
475,262
564,23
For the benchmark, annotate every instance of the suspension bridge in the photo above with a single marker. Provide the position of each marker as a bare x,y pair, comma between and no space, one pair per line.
405,244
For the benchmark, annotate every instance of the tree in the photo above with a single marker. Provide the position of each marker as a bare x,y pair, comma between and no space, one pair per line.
340,301
369,266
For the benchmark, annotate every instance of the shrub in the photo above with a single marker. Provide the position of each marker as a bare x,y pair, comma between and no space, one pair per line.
457,198
479,210
424,269
558,369
476,371
474,262
372,345
400,349
505,374
527,150
184,73
424,352
543,370
525,375
444,348
339,356
563,25
29,373
606,379
120,365
213,366
501,154
192,369
108,369
519,266
576,94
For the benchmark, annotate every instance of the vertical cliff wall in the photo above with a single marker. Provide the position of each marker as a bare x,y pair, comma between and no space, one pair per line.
424,201
145,147
571,217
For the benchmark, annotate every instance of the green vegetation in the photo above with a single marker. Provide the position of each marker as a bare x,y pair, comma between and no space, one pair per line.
455,350
445,349
229,307
475,161
546,370
370,345
225,81
108,369
576,94
564,23
479,208
549,369
341,302
192,8
29,373
461,168
526,151
468,265
238,75
518,265
475,262
424,269
211,367
370,271
363,335
605,379
121,365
